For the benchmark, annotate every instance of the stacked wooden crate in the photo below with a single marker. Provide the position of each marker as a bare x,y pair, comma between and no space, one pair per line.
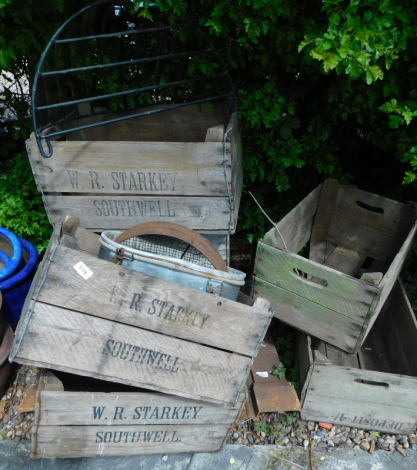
181,165
340,295
118,325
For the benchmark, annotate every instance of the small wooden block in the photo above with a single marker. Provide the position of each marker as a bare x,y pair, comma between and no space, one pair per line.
29,400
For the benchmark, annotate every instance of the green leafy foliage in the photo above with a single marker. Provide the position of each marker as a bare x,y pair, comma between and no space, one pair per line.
275,426
21,207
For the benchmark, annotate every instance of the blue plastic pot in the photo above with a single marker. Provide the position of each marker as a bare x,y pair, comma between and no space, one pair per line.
10,263
16,287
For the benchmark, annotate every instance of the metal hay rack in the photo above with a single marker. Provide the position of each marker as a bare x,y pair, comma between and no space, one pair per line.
107,59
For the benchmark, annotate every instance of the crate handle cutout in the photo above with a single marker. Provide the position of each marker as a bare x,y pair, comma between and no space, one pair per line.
371,382
316,281
367,207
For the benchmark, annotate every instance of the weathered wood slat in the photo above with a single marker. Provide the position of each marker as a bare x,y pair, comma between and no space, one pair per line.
299,312
376,211
295,227
97,441
405,225
345,261
325,206
341,293
82,344
399,333
358,237
126,168
341,358
109,211
186,124
120,294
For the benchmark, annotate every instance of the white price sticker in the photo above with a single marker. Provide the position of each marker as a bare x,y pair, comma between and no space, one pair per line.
83,270
262,374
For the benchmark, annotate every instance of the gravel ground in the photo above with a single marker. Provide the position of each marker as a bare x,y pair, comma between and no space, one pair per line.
288,430
285,429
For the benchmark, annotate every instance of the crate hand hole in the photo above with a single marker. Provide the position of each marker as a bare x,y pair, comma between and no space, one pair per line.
367,207
309,278
371,382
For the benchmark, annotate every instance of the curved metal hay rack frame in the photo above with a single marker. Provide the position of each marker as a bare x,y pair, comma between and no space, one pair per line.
106,59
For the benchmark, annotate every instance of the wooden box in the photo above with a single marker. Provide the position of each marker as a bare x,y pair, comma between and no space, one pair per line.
182,166
91,317
81,417
373,389
350,233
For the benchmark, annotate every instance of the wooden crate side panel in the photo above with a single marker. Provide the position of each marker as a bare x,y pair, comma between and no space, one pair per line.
304,360
105,212
126,296
389,280
295,227
185,124
73,342
322,220
363,415
111,409
359,237
364,386
40,274
399,331
132,168
342,294
308,316
376,211
237,168
99,441
221,241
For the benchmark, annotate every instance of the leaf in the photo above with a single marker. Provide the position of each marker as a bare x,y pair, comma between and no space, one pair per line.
331,62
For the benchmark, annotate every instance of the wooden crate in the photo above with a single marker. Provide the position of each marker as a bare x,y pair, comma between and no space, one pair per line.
182,166
373,389
79,417
347,230
91,317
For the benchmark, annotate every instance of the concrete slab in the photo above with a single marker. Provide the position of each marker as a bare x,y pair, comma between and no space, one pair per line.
15,456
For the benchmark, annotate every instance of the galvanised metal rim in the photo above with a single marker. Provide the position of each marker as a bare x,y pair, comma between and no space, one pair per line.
44,133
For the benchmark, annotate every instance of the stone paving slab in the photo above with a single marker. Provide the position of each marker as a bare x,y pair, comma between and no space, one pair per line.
15,456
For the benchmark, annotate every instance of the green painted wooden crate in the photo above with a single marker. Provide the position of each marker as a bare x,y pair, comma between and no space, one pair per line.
373,389
357,243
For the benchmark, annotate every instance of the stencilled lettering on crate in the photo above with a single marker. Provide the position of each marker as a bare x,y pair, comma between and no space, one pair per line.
376,423
133,353
167,310
142,414
123,181
133,208
126,437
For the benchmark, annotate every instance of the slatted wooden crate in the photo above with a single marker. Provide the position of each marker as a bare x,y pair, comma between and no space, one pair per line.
350,233
95,318
79,417
182,165
373,389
